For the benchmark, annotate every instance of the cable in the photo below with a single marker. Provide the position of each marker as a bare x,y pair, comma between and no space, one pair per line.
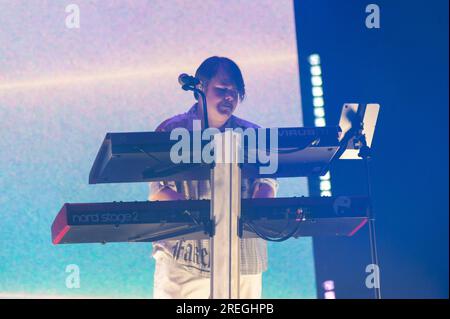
298,221
194,219
265,237
148,154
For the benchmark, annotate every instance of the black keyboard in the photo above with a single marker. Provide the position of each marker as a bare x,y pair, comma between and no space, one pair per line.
273,218
145,156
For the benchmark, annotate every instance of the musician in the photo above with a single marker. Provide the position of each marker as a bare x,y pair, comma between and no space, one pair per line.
183,267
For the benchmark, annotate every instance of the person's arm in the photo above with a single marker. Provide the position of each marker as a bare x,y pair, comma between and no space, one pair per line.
164,191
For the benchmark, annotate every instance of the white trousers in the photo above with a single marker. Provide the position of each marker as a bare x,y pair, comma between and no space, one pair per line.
174,282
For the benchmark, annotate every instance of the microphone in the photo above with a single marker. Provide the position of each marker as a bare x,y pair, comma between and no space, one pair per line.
185,79
188,83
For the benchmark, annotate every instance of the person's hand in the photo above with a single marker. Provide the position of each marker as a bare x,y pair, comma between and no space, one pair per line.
263,191
166,194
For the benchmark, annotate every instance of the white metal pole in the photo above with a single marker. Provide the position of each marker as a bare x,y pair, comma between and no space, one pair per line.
225,213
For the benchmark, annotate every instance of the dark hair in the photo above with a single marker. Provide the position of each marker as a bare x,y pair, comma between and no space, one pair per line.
209,68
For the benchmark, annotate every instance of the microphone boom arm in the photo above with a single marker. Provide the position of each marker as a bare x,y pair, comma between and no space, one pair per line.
187,87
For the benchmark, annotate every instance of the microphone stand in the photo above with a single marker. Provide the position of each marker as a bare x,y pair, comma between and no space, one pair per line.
365,154
187,87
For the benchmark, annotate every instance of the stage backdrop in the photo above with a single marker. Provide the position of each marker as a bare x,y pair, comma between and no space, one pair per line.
63,88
